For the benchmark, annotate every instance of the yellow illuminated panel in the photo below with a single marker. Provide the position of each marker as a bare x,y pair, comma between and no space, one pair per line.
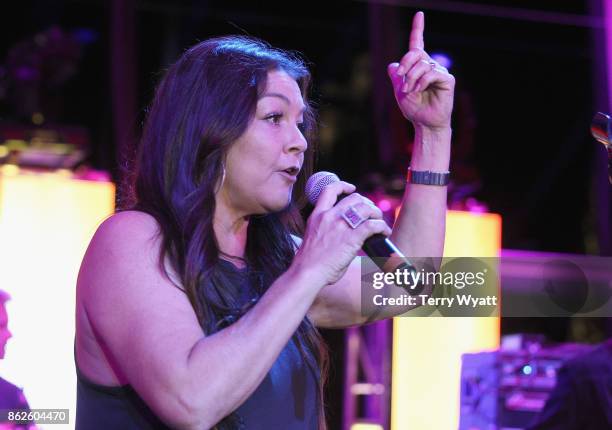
46,222
366,426
427,351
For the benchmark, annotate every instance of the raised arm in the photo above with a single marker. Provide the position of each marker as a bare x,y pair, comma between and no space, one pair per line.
424,92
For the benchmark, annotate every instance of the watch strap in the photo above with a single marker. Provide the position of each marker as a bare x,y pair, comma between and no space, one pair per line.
427,177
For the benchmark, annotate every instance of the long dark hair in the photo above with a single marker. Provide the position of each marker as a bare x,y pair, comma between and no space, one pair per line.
205,102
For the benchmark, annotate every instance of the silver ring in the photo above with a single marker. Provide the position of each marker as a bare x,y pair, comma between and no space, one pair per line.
352,217
433,65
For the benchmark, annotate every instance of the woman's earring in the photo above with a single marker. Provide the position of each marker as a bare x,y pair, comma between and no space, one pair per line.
222,178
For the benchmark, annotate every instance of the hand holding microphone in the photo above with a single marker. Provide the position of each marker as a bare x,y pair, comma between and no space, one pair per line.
342,223
330,244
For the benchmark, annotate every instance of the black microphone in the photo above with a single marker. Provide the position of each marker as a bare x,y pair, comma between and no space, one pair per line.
601,129
378,247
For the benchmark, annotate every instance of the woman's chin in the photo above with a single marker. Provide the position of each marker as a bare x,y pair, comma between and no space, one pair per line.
277,205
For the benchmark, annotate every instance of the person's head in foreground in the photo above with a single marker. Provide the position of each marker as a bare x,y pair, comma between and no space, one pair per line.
11,397
5,333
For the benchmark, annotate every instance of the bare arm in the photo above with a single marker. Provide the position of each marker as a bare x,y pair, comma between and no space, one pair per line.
421,223
418,232
424,93
149,327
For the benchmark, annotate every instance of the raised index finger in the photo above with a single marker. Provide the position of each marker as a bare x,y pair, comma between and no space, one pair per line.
416,34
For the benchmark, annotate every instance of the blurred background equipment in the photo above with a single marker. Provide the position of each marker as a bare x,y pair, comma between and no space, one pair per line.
33,78
58,147
506,389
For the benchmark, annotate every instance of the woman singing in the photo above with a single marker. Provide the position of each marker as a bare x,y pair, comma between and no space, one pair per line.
198,304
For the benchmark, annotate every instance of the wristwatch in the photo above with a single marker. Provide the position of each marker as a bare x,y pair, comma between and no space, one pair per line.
427,177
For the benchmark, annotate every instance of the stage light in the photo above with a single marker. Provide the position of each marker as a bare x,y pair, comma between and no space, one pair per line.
46,222
426,369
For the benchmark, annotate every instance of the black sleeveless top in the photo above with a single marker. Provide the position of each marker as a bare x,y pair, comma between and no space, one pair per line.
285,399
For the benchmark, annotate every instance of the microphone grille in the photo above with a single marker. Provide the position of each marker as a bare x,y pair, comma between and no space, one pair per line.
316,183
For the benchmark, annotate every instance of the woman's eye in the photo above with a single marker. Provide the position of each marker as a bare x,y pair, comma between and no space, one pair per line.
274,118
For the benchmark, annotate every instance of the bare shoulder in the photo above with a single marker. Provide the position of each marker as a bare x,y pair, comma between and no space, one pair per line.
124,242
129,314
121,284
123,258
122,228
116,248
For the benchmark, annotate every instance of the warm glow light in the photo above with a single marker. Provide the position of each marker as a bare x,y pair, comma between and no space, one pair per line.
427,351
46,222
38,118
366,426
9,170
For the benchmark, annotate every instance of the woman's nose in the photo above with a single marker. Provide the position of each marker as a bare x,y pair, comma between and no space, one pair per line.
298,142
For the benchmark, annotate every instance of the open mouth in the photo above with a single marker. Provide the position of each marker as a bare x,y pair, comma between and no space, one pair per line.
293,171
290,174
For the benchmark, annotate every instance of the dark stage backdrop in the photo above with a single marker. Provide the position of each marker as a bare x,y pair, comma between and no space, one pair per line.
525,94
